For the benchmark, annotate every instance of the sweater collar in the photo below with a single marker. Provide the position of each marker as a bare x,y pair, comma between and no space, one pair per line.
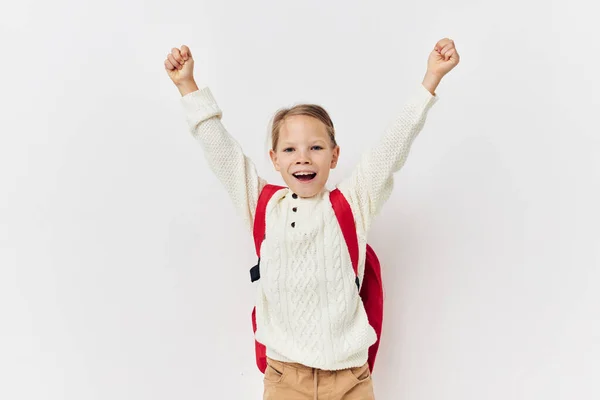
314,199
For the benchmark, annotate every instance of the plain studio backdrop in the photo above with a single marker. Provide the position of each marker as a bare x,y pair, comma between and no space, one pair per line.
124,267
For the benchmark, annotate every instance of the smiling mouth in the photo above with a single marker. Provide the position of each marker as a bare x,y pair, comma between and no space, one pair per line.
304,176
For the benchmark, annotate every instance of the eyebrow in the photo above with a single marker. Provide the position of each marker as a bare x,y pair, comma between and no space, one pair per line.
293,144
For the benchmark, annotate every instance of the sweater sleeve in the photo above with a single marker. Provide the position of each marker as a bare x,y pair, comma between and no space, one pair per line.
371,182
223,153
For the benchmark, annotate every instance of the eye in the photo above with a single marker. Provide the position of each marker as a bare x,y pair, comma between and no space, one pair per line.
288,149
317,147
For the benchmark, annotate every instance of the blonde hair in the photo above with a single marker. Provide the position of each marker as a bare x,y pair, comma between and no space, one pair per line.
310,110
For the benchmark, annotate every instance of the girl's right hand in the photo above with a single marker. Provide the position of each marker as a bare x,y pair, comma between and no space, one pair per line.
180,65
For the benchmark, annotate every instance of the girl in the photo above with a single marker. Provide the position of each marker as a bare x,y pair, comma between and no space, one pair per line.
309,314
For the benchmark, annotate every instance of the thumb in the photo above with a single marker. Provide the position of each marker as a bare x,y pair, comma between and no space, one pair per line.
185,52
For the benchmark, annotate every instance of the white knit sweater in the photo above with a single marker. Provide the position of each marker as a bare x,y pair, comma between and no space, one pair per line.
307,305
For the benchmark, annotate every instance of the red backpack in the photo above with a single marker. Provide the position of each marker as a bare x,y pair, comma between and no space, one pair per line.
371,290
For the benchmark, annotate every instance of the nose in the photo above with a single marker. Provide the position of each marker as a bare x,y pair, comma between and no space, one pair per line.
303,158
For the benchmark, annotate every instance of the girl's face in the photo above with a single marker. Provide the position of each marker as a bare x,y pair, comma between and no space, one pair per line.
304,155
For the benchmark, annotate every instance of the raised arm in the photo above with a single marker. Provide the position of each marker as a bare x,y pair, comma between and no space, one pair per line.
223,153
371,182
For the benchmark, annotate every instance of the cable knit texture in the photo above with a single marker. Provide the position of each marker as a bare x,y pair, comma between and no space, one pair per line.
307,307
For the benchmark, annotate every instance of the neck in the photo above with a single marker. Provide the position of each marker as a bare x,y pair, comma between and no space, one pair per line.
317,195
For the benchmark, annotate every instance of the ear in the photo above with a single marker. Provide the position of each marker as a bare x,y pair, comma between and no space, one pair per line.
273,156
335,156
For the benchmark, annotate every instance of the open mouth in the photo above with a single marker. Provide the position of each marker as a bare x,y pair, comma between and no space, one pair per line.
305,176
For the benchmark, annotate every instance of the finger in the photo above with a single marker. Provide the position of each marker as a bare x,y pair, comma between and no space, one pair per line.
452,53
443,43
447,54
440,49
174,61
177,54
445,50
185,52
168,65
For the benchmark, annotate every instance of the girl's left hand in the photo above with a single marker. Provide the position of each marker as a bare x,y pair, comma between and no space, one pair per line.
443,58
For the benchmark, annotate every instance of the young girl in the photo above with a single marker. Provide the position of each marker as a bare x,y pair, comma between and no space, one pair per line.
309,314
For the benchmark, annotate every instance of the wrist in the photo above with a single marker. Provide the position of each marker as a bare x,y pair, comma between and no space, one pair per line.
431,81
187,86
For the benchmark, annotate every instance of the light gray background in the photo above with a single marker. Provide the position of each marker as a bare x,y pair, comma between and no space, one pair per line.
124,268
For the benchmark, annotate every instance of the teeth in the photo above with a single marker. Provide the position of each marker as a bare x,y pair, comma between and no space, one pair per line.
304,173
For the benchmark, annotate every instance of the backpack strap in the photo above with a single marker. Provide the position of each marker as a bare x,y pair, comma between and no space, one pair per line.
345,218
260,224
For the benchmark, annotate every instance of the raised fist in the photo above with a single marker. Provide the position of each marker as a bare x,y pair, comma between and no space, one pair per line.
180,65
443,58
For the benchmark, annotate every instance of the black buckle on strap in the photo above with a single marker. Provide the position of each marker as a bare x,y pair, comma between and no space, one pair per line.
255,272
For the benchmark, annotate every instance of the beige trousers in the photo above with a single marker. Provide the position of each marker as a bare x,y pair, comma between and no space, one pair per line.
291,381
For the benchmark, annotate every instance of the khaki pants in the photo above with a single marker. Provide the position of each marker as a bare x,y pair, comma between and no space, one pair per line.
291,381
